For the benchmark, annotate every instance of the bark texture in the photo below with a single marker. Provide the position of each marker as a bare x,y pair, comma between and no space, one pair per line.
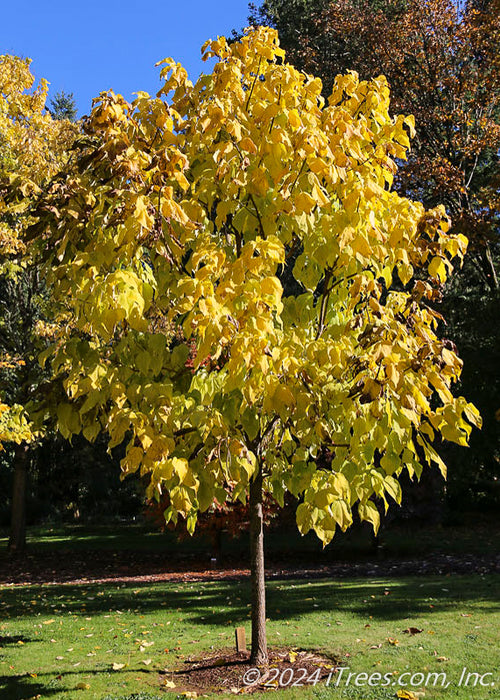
259,655
17,540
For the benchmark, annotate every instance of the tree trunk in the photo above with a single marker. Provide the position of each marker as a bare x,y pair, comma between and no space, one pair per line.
489,268
259,654
17,540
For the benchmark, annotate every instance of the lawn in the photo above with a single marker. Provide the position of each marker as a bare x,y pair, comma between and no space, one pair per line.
61,641
474,534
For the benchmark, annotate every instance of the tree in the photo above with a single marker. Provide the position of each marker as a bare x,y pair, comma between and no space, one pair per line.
441,61
62,106
176,220
33,147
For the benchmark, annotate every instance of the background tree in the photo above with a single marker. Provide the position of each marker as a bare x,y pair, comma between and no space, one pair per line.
180,217
33,147
63,106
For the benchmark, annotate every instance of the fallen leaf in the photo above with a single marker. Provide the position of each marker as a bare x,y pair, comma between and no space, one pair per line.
146,662
412,631
118,667
169,684
442,658
406,695
292,656
393,641
82,686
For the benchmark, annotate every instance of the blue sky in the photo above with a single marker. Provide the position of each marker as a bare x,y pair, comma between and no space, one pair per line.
90,46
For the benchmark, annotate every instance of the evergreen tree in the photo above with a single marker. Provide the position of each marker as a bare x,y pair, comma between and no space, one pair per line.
63,106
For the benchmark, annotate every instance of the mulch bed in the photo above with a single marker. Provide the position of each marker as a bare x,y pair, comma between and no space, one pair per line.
139,567
232,672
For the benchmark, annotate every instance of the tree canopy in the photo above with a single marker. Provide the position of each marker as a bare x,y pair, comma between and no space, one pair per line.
182,214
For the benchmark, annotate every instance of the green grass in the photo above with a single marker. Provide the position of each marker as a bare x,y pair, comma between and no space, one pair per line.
472,536
59,637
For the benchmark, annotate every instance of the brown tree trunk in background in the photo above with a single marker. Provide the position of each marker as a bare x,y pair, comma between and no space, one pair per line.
17,540
259,654
489,269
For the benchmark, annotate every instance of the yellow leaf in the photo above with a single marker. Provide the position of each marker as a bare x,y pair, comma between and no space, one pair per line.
410,121
372,389
368,511
406,695
320,196
294,119
141,213
246,144
259,182
181,468
360,245
271,286
473,415
405,272
437,268
283,400
392,374
304,202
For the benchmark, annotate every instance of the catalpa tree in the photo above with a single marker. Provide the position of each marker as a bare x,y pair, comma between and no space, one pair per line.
170,236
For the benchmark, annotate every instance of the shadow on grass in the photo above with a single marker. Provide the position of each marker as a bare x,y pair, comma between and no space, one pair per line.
16,639
48,684
220,603
397,539
21,687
